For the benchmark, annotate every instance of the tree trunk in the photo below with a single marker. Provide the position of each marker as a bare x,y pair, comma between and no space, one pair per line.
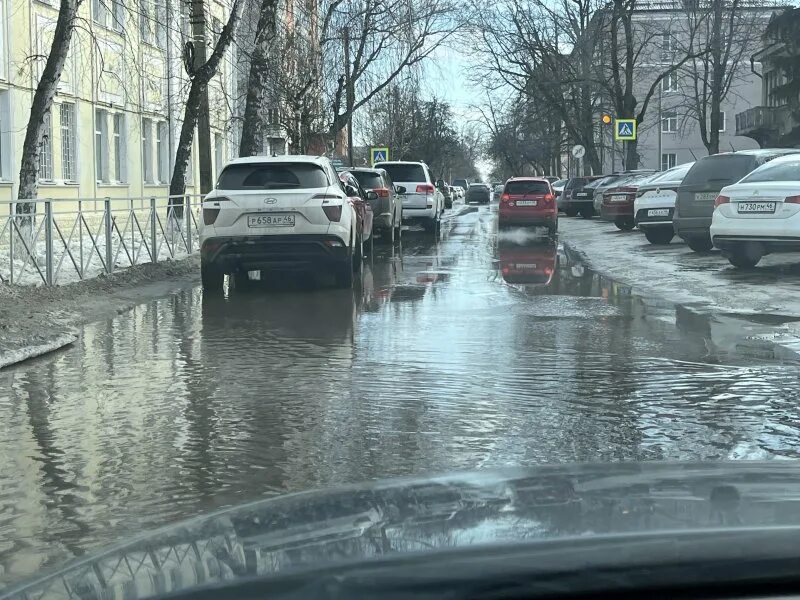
252,141
631,155
200,77
42,102
717,72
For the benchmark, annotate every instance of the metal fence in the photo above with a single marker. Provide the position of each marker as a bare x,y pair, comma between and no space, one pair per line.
67,240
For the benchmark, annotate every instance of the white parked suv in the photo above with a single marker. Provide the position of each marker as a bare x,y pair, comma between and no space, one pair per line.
422,201
655,204
760,214
283,212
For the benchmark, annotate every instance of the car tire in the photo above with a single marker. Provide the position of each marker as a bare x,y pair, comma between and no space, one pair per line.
587,212
552,230
448,204
659,236
211,277
624,223
398,236
571,211
745,257
699,244
430,225
345,273
358,254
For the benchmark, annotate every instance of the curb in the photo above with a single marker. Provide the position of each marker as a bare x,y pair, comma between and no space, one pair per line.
13,357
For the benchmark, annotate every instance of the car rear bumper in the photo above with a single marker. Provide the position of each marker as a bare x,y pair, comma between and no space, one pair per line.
517,217
775,235
692,227
643,221
577,202
610,212
479,199
282,252
410,214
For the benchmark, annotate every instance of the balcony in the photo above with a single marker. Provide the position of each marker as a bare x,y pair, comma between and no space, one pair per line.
765,124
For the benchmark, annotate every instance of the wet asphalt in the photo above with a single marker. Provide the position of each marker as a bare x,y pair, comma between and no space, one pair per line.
467,350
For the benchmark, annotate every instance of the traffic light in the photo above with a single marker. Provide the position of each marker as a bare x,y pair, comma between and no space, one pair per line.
607,119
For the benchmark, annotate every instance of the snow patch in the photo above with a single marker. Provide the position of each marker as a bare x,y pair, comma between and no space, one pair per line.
11,357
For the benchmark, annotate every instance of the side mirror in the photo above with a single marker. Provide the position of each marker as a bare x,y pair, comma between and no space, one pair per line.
350,191
371,195
439,183
400,189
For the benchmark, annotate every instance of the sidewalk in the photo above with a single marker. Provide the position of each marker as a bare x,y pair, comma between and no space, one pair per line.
35,320
764,302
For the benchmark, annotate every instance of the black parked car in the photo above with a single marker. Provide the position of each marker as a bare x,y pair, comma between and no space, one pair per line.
575,199
695,202
480,193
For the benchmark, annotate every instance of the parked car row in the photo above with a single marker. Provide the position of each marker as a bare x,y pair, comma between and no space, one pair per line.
298,213
745,203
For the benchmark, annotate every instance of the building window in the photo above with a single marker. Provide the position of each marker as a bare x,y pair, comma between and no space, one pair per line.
147,150
219,152
119,148
668,161
722,121
216,29
161,151
185,19
273,117
160,24
670,83
669,121
46,150
101,145
667,47
68,142
100,12
117,15
144,22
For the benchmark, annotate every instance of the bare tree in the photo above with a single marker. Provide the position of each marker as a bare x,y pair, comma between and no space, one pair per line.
43,101
252,140
727,34
369,43
199,77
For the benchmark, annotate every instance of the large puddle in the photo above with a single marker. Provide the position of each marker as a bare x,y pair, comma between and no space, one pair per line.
472,352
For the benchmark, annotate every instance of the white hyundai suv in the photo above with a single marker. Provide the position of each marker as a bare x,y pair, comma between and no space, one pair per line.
422,200
283,212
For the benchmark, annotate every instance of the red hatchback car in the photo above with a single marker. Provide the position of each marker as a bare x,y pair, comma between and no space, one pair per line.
529,201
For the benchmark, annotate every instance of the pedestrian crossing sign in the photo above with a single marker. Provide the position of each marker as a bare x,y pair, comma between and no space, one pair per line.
625,130
378,155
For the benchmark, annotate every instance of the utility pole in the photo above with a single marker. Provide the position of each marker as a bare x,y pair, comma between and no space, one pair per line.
660,131
203,118
350,99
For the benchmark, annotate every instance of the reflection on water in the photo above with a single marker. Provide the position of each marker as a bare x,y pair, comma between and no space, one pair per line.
435,362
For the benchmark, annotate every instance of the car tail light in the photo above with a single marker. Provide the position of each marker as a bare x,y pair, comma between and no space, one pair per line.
210,215
548,199
425,188
792,200
326,197
382,192
505,197
721,200
333,212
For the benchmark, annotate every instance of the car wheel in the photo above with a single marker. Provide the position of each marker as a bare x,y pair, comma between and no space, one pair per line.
448,204
587,212
624,223
552,230
212,277
699,244
745,257
345,273
398,236
358,254
430,225
659,236
571,211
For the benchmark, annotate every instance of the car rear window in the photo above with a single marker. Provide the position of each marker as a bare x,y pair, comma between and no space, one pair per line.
405,173
518,188
272,176
782,171
369,181
720,169
575,182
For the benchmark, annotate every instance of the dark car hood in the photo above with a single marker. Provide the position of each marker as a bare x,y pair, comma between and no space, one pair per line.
310,529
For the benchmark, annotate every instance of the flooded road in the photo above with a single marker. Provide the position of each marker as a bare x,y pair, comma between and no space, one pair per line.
467,352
